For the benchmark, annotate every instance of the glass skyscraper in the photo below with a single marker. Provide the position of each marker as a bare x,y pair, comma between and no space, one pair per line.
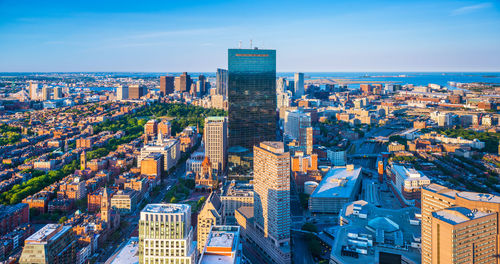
251,97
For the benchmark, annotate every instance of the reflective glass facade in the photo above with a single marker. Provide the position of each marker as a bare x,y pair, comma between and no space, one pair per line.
251,97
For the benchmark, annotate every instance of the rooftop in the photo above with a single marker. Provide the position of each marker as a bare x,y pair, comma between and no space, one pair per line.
48,233
166,208
482,197
458,215
221,239
222,245
338,182
409,173
378,221
216,118
276,147
128,254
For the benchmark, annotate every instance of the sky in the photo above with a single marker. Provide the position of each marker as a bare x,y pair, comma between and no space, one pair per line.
193,36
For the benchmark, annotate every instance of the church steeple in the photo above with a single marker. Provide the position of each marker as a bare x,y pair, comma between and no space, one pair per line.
105,206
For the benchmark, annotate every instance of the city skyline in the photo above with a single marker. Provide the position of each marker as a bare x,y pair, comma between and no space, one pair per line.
194,37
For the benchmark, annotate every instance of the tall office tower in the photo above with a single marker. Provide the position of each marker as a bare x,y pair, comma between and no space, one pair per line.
215,140
252,96
299,84
272,191
166,235
221,82
136,91
53,243
166,85
309,140
122,92
202,84
459,227
33,91
296,123
182,83
223,246
58,93
210,214
284,99
45,93
281,85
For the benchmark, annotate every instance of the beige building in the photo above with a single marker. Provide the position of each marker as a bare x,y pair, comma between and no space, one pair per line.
166,235
169,148
124,201
53,243
272,191
459,227
234,196
210,214
215,140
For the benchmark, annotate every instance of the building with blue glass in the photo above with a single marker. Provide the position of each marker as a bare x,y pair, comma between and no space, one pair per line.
251,97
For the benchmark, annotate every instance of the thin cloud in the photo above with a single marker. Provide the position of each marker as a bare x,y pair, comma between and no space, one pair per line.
469,9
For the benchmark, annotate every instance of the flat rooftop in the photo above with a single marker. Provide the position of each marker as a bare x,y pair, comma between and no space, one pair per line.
166,208
338,183
47,233
482,197
218,259
458,215
471,196
222,245
221,239
409,173
128,254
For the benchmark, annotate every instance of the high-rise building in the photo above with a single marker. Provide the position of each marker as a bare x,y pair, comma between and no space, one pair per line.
182,83
122,92
53,243
58,93
221,82
210,214
45,93
202,85
33,91
166,85
284,99
281,85
215,140
223,246
166,235
296,123
459,227
136,91
252,96
272,191
299,84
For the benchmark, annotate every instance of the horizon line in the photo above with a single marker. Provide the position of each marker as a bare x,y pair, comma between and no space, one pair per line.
383,71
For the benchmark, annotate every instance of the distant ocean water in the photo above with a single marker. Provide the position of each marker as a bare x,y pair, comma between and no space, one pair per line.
416,78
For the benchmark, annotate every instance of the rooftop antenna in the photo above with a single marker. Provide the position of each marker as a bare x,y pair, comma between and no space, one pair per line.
239,45
250,44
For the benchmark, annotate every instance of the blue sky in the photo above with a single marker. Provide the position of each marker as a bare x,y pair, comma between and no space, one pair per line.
183,35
